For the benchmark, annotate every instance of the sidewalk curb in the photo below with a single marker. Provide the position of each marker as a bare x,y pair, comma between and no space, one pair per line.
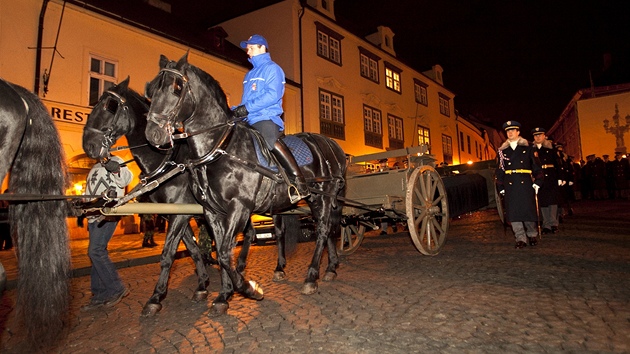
127,263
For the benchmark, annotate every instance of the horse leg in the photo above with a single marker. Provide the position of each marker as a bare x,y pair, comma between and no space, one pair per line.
203,279
287,229
280,231
333,261
225,229
173,235
323,213
248,237
312,274
333,257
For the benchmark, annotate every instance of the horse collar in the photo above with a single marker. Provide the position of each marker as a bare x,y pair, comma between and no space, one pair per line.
219,148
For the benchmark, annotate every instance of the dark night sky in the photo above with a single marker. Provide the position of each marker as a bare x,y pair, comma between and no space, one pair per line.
516,59
504,59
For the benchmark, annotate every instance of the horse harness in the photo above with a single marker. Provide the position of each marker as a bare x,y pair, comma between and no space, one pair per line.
182,89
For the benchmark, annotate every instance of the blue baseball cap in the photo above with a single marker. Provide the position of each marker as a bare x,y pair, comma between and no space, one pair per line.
255,39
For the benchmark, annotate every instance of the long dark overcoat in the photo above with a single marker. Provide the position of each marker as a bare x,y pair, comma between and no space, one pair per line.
520,202
620,170
549,193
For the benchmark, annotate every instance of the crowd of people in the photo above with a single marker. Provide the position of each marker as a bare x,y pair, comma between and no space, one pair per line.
602,178
539,181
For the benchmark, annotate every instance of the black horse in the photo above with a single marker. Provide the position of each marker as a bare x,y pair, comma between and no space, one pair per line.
227,177
121,111
30,149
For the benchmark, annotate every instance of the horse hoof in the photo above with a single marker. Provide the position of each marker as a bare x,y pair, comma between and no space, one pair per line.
329,276
309,288
255,291
151,309
218,309
199,296
279,276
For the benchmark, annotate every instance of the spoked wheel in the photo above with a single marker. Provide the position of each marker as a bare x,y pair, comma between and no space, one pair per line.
351,238
427,210
3,279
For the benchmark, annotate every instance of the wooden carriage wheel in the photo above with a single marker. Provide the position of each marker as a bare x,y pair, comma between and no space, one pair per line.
3,279
427,210
351,238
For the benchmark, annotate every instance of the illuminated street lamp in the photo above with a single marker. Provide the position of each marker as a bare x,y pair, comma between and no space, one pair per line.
618,130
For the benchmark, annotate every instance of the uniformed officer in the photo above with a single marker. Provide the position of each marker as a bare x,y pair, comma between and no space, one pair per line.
549,194
516,166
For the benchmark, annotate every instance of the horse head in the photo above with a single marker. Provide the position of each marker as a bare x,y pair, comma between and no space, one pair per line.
180,93
111,118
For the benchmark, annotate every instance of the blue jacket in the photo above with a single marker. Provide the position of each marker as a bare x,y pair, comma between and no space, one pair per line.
263,88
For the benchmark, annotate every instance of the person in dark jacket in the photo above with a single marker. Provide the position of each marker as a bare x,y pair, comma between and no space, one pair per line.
620,171
261,106
595,173
518,179
567,174
549,194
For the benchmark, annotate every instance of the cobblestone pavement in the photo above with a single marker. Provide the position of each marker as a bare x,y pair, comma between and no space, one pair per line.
479,295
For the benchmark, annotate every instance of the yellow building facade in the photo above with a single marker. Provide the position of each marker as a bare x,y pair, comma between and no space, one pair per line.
355,89
341,85
595,121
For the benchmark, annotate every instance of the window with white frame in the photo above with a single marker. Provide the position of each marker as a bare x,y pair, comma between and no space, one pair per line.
395,132
369,64
445,105
332,122
420,91
328,43
392,77
373,127
103,74
423,136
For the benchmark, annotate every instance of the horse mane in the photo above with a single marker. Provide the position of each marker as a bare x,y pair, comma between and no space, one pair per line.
139,102
39,227
214,86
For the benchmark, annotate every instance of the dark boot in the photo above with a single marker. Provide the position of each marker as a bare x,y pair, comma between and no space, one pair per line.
146,241
286,159
152,241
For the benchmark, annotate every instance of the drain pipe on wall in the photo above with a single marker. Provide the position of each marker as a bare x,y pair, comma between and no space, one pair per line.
301,64
38,56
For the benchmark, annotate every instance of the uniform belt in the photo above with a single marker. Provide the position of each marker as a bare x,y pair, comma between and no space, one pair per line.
548,166
517,171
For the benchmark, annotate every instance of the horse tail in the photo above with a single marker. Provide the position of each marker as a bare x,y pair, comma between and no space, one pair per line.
39,227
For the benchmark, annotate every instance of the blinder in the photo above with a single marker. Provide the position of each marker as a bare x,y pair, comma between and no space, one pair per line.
180,88
116,105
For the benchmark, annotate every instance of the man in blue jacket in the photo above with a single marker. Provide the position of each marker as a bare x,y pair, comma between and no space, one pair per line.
261,106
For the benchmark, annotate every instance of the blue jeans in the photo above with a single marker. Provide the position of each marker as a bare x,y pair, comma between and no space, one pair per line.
105,282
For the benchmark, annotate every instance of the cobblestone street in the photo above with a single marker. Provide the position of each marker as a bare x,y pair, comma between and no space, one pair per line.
571,293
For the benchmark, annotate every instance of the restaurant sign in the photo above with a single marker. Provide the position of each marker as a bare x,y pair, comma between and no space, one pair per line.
69,113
